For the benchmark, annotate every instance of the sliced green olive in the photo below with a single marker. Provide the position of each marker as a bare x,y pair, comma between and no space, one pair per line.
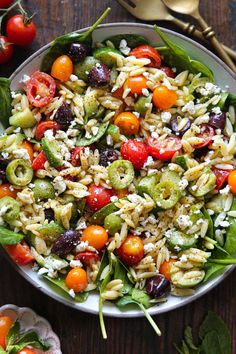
51,232
180,241
19,172
113,223
204,184
170,176
121,173
9,209
43,189
186,278
114,132
166,194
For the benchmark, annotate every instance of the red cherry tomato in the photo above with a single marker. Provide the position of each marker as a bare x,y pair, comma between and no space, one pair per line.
146,51
5,3
131,251
40,89
87,257
169,72
75,155
39,161
44,126
6,50
20,253
221,177
164,149
20,32
136,152
99,197
27,350
207,133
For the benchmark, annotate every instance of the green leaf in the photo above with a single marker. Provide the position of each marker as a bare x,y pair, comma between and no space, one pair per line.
5,99
214,324
141,297
183,349
104,263
124,301
2,351
201,68
88,141
61,44
230,240
188,336
30,338
213,271
224,261
13,333
8,237
59,286
100,215
121,273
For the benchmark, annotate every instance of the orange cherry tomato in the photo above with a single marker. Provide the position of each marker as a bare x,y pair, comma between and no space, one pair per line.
128,123
118,93
62,68
20,253
29,147
165,268
5,324
137,84
121,193
6,190
26,350
163,98
131,251
96,236
232,181
76,279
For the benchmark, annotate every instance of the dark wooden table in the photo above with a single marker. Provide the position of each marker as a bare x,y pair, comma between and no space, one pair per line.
79,332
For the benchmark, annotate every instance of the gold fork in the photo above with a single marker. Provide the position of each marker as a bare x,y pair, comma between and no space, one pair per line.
151,10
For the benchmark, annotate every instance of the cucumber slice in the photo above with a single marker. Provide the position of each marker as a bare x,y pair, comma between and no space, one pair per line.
52,152
186,278
217,203
43,189
206,186
91,104
38,243
180,241
133,40
170,176
23,119
51,232
9,143
147,185
99,216
104,55
82,69
140,105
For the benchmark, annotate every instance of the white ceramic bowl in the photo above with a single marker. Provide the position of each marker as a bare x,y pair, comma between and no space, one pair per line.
224,77
30,321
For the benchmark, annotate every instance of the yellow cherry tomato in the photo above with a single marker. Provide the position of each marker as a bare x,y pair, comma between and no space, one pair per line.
131,251
5,324
96,236
232,181
165,268
76,279
163,98
62,68
128,123
137,84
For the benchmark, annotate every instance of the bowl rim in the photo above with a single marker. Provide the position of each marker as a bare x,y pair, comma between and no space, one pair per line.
153,310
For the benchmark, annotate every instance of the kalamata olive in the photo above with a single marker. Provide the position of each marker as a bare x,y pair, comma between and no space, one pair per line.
49,214
77,52
4,163
99,75
217,120
200,153
64,115
158,286
65,243
107,156
177,127
3,176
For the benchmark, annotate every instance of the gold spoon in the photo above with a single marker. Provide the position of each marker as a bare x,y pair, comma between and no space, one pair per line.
156,10
191,8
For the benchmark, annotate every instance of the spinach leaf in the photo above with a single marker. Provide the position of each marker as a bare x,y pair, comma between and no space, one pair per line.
188,336
62,44
103,265
133,40
230,241
88,141
121,273
214,324
13,333
5,99
100,215
223,99
224,261
179,58
8,237
141,297
210,230
59,285
30,338
213,271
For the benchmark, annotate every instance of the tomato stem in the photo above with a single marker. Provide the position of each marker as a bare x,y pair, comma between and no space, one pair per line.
18,2
26,18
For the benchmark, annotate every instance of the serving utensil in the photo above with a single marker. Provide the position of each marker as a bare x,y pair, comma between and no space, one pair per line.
152,10
191,8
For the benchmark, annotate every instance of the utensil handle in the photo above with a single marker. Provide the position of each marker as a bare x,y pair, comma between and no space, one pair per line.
211,36
192,31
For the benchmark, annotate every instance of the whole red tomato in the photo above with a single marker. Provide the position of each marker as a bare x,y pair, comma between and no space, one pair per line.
5,3
6,50
19,31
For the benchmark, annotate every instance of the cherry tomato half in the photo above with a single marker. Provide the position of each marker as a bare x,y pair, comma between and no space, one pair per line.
146,51
135,151
20,253
39,161
96,236
62,68
27,350
169,72
87,257
164,149
5,3
131,251
5,324
76,279
165,268
20,32
40,89
221,177
163,98
137,84
7,190
75,155
6,50
29,147
207,133
232,181
128,123
99,197
44,126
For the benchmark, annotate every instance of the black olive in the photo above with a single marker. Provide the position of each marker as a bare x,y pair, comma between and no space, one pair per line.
49,214
158,286
66,243
175,126
217,120
4,163
99,75
64,115
107,156
77,52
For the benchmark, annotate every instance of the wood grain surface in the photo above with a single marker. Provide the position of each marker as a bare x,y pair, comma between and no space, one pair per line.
80,332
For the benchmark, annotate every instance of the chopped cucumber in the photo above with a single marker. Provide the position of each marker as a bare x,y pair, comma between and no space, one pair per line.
52,152
23,119
170,176
180,241
217,203
147,185
104,55
9,143
51,232
82,69
205,187
141,105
